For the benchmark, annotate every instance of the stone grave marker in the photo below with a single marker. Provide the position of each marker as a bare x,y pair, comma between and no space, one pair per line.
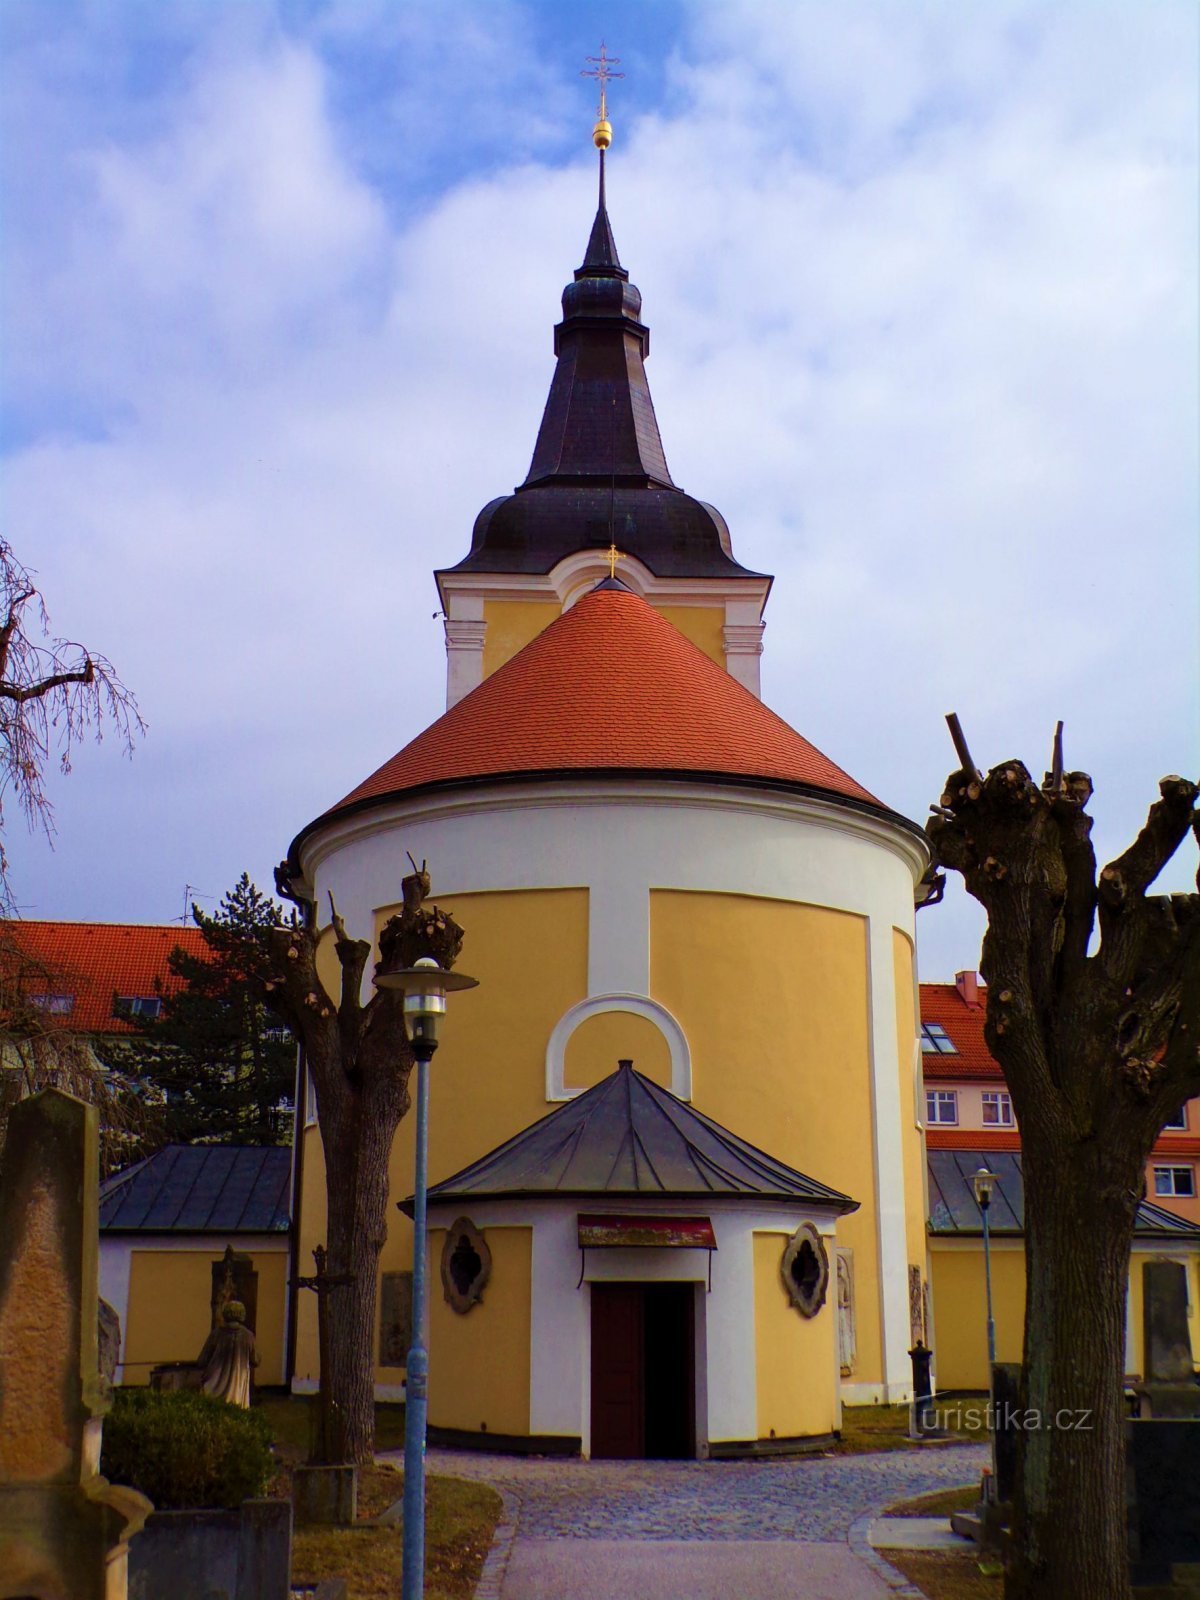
1168,1347
63,1528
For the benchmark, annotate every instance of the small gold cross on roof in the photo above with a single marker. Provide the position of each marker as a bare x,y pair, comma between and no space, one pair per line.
614,555
601,68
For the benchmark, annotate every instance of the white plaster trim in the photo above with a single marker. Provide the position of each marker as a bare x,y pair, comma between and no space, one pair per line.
638,1005
678,794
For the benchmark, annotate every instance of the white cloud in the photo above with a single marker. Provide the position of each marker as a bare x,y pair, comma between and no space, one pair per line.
921,283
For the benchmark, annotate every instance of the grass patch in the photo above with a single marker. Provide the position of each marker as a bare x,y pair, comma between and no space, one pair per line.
938,1504
867,1428
292,1419
946,1574
459,1521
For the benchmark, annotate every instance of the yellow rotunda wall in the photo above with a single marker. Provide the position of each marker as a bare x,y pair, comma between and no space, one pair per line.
774,999
916,1207
794,1356
479,1362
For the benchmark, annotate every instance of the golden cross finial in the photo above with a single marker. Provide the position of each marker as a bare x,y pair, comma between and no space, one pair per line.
601,68
614,555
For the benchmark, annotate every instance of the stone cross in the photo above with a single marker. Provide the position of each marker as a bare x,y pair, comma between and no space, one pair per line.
329,1449
63,1528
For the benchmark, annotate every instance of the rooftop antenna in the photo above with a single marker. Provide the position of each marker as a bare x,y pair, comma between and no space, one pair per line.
190,889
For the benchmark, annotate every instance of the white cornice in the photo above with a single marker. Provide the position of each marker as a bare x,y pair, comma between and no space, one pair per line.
677,794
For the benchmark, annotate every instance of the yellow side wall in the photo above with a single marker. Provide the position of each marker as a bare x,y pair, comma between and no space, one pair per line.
913,1146
960,1312
479,1363
511,625
782,1056
703,625
793,1355
169,1317
599,1042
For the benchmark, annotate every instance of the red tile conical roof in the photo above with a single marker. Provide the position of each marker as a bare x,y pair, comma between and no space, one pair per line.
611,686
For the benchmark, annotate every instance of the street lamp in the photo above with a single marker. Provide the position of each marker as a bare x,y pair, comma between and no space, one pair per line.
424,986
983,1182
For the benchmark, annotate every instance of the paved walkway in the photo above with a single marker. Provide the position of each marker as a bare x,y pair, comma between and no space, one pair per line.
701,1530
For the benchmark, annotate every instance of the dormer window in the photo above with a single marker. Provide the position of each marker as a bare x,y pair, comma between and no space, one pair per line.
57,1005
137,1005
935,1041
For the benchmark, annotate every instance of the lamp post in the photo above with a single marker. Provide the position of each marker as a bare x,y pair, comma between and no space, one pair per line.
424,986
983,1182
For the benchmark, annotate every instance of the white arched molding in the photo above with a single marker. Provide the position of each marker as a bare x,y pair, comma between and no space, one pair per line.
637,1005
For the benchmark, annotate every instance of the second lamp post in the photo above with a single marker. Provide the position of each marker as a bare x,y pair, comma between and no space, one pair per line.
425,986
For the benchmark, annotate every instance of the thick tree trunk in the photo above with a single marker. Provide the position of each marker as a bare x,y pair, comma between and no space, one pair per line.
357,1149
1069,1536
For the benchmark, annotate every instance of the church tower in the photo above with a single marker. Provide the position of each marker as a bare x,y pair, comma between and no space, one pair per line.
598,479
675,1140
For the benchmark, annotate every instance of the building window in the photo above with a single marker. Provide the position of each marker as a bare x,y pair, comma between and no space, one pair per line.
1177,1123
997,1110
1177,1181
137,1005
935,1041
59,1005
941,1105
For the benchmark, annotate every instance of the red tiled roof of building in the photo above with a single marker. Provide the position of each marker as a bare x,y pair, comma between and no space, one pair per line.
972,1139
93,961
942,1003
610,685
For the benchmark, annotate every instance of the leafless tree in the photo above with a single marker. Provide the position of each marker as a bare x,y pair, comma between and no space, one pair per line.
53,694
1100,1045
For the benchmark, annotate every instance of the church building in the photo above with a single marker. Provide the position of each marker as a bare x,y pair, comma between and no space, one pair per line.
678,1194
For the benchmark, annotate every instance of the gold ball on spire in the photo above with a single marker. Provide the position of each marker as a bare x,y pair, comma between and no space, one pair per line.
602,134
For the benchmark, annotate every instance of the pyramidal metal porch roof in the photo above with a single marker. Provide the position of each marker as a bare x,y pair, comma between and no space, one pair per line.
626,1137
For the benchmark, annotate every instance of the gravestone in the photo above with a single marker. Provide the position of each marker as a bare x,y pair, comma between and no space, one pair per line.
234,1278
395,1318
1168,1346
63,1528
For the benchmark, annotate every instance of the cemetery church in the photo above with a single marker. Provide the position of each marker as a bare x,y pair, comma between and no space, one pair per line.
678,1202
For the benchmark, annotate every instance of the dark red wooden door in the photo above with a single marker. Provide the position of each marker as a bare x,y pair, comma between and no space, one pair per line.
618,1371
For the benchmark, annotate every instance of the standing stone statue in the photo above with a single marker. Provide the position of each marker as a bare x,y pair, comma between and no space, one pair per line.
228,1356
63,1528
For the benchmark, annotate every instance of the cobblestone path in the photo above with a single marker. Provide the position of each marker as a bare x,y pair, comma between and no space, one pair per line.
811,1498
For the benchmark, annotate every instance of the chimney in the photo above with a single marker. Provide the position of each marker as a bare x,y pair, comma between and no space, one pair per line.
967,984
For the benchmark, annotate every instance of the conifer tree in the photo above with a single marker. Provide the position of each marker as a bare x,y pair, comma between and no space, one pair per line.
225,1064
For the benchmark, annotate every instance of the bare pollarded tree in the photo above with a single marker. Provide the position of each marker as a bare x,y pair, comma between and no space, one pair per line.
360,1060
1099,1041
53,694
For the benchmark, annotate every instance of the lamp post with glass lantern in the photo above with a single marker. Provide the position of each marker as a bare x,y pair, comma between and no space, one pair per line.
424,986
983,1182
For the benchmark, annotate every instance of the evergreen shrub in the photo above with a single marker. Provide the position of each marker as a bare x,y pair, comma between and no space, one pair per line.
186,1450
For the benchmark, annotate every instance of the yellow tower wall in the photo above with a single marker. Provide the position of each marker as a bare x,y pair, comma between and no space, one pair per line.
781,1055
479,1362
793,1355
511,625
703,625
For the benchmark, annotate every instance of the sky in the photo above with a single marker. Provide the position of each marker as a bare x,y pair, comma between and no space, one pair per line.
279,283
